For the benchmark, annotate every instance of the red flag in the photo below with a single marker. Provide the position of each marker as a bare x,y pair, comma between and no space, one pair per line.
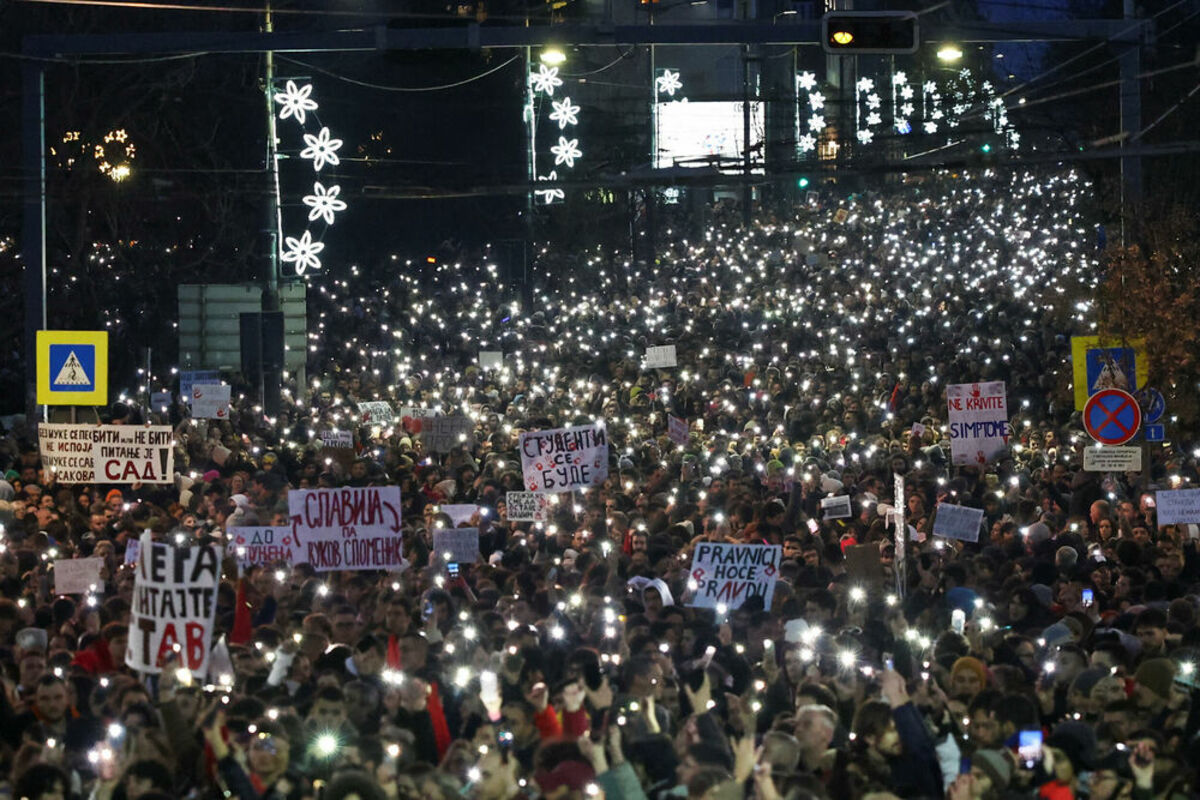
243,626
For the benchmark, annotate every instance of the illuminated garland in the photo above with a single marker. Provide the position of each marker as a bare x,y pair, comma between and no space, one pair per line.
545,81
325,203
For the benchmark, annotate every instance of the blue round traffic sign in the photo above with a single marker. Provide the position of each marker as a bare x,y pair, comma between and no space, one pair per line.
1153,405
1112,416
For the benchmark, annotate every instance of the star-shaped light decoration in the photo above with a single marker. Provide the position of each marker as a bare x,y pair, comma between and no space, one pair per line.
865,84
550,195
545,79
303,252
873,118
564,113
668,83
324,203
322,149
816,123
566,151
866,135
295,101
872,101
807,81
807,143
816,101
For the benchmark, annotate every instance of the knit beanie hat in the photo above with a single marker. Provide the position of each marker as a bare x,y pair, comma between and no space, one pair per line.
1078,741
973,665
997,766
1156,674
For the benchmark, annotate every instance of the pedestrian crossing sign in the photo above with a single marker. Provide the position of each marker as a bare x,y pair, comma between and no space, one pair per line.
72,368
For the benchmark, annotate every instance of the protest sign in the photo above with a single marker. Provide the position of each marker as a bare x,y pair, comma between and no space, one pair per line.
677,430
1112,459
564,459
527,506
835,507
863,565
337,439
957,522
978,421
347,528
443,434
458,512
189,378
417,412
375,412
660,357
174,603
77,575
108,453
210,401
491,359
456,545
1178,506
264,545
161,401
729,574
133,549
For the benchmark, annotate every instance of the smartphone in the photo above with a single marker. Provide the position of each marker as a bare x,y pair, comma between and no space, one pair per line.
1029,747
452,569
888,662
958,621
1088,598
427,609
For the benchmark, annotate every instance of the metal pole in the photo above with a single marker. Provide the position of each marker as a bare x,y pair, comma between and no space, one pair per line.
747,190
1131,119
270,378
33,238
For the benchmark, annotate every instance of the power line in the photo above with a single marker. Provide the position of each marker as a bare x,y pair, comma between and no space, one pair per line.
383,88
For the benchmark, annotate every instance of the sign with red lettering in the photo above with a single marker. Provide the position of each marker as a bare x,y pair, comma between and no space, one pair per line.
174,606
978,421
729,574
564,459
264,545
108,453
347,528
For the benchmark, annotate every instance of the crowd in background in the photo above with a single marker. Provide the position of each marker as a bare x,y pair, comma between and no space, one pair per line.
1055,657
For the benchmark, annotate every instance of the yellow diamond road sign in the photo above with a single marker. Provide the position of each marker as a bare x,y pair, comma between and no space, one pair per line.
72,368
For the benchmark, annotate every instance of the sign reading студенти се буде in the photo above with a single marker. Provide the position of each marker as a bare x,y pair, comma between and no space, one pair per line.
564,459
347,528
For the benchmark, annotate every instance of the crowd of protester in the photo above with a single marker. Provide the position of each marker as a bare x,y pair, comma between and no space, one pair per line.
1055,657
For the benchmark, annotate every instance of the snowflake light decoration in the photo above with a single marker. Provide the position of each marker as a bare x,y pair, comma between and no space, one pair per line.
816,123
545,80
322,149
566,151
550,195
668,83
807,143
564,113
816,101
303,252
807,81
324,203
295,101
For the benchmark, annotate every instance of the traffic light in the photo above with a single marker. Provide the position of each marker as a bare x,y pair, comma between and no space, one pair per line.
867,32
802,183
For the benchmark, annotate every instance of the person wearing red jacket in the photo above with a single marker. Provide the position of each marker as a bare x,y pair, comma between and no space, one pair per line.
106,653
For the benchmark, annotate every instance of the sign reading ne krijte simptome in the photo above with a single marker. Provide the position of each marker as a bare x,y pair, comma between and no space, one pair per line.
174,603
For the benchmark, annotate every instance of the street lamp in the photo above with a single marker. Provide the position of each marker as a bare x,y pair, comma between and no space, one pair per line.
552,56
949,53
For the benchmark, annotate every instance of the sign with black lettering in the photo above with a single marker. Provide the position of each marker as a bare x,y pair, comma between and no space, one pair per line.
347,528
174,606
108,453
264,545
728,574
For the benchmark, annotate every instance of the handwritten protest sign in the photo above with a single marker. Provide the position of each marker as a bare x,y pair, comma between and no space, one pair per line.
978,421
677,430
835,507
264,545
1178,506
417,412
375,412
660,357
108,453
528,506
189,378
174,603
347,528
77,575
957,522
337,439
443,434
458,512
210,402
161,401
459,545
729,574
564,459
